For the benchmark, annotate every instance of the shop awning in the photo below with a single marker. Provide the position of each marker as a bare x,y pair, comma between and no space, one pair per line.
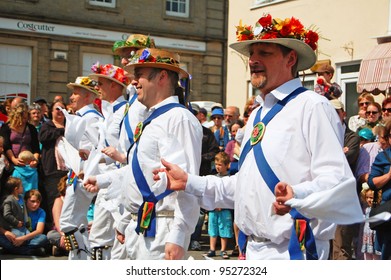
375,70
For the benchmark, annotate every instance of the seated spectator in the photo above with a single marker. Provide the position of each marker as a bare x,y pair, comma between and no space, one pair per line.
55,236
22,222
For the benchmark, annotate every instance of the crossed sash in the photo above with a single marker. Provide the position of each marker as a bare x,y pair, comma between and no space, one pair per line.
146,219
301,234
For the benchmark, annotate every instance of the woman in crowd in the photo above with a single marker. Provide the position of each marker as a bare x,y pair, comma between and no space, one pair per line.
359,120
50,132
20,136
380,179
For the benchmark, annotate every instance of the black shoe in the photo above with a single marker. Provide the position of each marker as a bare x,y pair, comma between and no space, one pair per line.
40,252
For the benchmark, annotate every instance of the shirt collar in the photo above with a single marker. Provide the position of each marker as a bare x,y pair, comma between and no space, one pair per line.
168,100
84,109
282,91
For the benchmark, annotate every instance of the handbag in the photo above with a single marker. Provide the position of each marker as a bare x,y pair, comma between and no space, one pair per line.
382,225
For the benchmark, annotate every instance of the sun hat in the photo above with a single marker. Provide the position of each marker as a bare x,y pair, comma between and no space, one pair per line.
289,33
366,133
156,58
111,72
324,68
40,99
337,104
136,41
217,112
84,82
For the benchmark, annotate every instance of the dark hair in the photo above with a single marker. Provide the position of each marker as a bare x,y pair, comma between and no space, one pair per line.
11,184
51,107
386,101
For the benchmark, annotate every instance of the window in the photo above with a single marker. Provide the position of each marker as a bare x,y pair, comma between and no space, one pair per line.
177,8
262,3
103,3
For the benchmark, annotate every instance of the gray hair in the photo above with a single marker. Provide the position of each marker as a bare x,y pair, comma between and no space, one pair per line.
35,106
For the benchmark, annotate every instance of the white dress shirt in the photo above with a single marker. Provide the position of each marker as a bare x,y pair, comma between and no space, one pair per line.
303,146
175,136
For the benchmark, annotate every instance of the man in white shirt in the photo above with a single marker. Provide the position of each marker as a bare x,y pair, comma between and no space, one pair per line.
291,161
73,219
157,227
111,85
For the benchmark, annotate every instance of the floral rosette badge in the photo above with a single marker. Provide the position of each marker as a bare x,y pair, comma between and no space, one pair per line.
138,131
257,133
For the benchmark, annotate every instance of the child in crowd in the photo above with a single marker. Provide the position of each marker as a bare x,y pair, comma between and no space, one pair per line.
368,243
28,174
220,220
36,220
13,206
55,236
19,218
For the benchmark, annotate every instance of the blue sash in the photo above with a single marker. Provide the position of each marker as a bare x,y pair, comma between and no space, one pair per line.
271,180
125,119
115,109
119,105
92,111
148,195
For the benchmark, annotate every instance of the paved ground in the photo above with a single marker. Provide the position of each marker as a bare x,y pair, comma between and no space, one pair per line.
198,255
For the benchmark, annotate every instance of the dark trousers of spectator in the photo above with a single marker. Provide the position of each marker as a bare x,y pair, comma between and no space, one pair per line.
342,245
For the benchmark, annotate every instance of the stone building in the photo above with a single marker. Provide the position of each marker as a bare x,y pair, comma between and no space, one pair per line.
44,44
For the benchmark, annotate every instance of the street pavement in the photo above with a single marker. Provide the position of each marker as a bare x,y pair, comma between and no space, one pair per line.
197,255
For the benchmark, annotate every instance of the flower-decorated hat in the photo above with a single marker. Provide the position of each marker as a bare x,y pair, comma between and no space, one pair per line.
84,82
137,41
289,33
111,72
156,58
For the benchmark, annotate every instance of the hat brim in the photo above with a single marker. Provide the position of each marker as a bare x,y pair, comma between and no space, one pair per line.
306,56
182,73
73,85
96,76
121,51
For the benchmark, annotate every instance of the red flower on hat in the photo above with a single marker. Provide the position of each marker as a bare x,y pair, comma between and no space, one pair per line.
265,21
268,28
110,71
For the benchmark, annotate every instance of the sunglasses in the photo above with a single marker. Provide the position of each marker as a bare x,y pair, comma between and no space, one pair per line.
217,117
363,103
388,110
371,113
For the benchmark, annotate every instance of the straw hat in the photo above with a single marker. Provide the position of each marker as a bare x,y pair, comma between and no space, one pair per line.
84,82
289,33
134,41
156,58
111,72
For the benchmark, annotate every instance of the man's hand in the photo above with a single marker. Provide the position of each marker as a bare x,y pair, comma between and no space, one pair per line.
91,185
174,252
176,177
283,193
83,153
114,154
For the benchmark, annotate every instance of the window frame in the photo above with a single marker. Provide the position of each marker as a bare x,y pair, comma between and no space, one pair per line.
186,14
113,3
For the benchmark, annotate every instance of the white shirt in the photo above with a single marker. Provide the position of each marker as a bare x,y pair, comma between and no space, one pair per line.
303,145
175,136
136,113
90,137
